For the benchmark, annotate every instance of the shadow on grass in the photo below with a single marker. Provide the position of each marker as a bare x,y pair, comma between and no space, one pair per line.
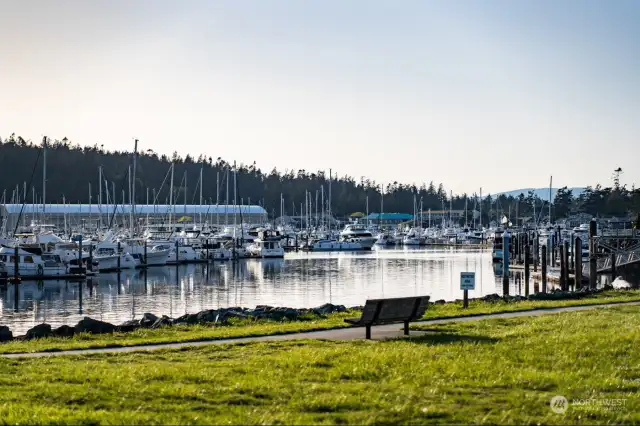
449,338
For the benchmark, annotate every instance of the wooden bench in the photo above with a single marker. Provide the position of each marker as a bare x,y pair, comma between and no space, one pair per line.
388,311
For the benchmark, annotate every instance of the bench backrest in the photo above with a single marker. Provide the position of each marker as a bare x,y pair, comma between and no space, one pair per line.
396,309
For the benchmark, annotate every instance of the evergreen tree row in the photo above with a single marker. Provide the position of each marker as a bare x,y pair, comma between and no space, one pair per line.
72,169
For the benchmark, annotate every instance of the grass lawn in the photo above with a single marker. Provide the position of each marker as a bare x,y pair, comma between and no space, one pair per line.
261,328
492,371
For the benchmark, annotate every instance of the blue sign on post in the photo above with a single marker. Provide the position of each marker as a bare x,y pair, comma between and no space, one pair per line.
467,280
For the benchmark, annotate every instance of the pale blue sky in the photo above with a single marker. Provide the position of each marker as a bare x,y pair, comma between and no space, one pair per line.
498,94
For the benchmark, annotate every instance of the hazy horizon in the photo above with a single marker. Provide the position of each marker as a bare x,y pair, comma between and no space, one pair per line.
493,94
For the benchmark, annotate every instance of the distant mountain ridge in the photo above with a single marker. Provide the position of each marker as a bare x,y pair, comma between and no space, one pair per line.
542,193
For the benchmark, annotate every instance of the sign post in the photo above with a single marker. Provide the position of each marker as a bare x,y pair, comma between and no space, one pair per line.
467,282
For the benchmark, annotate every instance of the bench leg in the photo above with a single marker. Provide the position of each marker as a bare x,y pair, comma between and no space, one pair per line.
368,332
406,328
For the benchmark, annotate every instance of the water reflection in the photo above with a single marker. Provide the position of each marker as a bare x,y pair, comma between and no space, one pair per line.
299,280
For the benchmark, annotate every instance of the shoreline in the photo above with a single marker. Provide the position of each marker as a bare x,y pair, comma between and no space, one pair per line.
265,320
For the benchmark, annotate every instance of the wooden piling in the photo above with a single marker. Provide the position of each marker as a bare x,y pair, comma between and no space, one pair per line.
118,261
593,260
506,242
80,255
526,268
572,250
146,263
566,265
16,266
578,263
544,269
536,251
613,267
90,261
562,274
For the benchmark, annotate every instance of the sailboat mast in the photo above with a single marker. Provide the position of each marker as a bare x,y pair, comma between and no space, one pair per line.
130,204
550,185
226,207
381,205
185,192
200,196
480,208
133,185
322,201
465,211
44,175
147,207
234,193
329,206
450,207
171,197
90,201
367,207
100,194
217,198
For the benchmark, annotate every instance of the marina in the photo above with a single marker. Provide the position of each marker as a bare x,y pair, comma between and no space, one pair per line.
300,280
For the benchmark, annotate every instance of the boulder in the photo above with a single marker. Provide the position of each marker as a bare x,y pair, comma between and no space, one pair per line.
235,313
148,320
90,325
222,319
329,308
128,326
39,331
164,321
264,308
5,334
206,316
63,331
189,319
279,314
491,298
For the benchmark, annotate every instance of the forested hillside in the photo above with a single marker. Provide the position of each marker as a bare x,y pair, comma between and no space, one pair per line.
72,168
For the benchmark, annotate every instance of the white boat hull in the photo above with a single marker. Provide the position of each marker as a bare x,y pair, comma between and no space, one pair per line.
32,270
110,263
412,241
157,258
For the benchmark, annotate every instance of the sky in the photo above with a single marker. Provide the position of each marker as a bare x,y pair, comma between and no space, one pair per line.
498,94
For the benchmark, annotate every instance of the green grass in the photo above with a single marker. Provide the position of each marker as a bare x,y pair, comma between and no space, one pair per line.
262,328
491,372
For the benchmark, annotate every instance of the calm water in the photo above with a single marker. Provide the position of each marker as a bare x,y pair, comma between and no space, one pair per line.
299,280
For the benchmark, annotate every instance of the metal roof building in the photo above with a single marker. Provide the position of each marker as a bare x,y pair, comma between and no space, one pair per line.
93,214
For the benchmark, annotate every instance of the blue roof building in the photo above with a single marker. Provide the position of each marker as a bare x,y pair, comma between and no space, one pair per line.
389,218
